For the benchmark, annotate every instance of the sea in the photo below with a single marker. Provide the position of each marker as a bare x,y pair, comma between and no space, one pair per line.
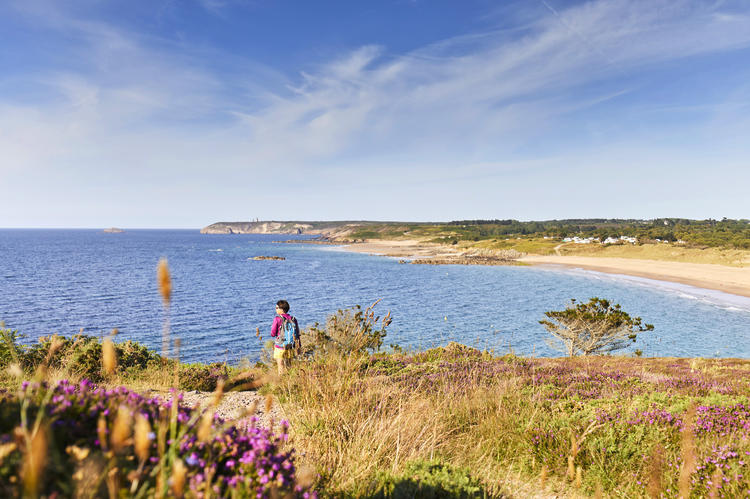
69,281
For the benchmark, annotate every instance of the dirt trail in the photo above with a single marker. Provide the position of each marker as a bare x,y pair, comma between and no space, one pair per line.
239,406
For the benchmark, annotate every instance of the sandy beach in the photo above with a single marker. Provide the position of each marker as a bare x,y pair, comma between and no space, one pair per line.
404,248
734,280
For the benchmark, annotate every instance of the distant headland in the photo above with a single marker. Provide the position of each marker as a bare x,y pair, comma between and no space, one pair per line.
113,230
333,229
713,254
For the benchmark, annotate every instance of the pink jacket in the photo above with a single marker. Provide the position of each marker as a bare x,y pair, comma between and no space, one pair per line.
276,326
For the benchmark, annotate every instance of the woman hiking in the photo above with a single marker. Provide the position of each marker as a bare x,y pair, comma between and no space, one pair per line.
283,351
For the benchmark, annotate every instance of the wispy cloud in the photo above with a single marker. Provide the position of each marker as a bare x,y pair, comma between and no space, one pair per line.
144,104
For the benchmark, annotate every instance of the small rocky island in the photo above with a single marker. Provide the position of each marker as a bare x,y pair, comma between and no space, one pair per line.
267,258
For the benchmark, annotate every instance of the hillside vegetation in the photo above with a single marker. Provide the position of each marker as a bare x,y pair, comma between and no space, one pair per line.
709,233
725,242
452,421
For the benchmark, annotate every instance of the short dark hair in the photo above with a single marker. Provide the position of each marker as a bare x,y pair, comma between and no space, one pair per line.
283,305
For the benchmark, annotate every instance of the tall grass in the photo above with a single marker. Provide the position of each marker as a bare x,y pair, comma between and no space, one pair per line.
612,426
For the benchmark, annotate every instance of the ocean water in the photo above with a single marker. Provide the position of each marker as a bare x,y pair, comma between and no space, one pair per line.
61,281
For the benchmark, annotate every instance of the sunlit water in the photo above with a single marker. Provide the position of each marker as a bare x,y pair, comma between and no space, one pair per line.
59,281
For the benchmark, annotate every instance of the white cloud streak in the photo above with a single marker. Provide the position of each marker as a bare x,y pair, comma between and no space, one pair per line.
142,107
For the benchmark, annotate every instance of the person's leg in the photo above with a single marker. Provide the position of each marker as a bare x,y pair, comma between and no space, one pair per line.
278,354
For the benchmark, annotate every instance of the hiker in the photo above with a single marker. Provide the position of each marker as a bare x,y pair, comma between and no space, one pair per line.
285,332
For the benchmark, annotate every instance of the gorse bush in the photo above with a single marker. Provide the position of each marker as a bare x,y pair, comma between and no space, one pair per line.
348,331
80,357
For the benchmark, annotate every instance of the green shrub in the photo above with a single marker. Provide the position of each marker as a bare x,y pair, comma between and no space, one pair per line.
84,359
202,377
9,351
133,355
350,330
428,479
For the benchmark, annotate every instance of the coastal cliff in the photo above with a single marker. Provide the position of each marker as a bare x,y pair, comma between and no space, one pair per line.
323,229
257,228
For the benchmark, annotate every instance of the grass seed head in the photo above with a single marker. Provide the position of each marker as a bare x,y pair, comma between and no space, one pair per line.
101,432
269,403
121,428
543,476
571,469
579,472
109,359
34,460
204,430
573,446
218,393
142,442
164,281
178,477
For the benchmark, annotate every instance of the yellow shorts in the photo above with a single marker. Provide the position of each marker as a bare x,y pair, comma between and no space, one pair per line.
282,353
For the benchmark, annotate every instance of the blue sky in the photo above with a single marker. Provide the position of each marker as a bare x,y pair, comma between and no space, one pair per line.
168,113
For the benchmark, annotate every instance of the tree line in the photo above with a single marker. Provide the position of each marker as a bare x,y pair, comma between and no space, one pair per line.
700,233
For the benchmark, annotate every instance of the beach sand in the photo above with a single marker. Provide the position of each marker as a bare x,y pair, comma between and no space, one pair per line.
733,280
405,248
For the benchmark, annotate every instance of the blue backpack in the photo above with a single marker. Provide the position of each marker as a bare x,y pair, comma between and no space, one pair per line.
288,332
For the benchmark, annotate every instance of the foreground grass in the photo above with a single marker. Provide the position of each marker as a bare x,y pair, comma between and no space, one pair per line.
447,422
621,427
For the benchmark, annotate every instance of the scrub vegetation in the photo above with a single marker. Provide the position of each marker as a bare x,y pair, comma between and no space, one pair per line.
724,233
447,422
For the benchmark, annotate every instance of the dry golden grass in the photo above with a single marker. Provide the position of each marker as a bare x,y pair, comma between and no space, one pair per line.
353,425
355,430
661,252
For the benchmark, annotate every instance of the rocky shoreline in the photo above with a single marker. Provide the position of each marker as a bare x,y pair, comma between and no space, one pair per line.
464,260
